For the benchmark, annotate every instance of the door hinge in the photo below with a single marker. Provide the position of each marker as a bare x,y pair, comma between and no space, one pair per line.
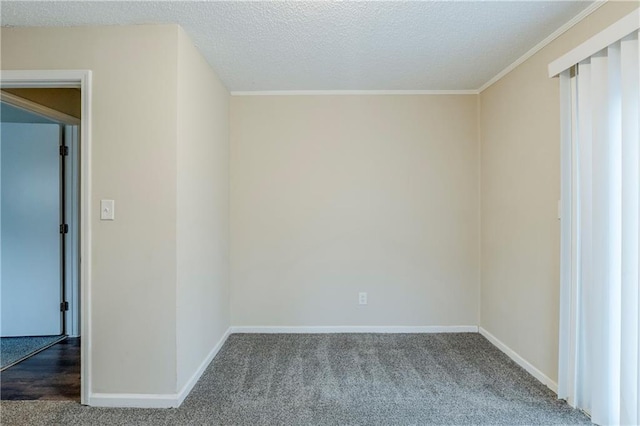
64,228
64,150
64,306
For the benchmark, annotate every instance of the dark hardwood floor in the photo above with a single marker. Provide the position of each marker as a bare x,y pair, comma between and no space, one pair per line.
53,374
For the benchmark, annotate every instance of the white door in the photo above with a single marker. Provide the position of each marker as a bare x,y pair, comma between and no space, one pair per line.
30,290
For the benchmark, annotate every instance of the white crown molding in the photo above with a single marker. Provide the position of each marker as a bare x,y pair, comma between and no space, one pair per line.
353,329
535,49
543,378
350,92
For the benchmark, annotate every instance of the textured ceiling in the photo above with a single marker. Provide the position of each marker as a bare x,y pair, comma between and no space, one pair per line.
319,45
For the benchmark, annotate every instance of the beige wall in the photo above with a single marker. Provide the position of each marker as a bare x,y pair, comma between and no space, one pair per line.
334,195
133,162
203,209
520,139
160,150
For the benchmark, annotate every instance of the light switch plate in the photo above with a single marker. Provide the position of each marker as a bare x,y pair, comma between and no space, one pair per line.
107,210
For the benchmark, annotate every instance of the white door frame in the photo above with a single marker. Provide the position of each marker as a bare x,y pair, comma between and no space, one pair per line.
72,216
78,79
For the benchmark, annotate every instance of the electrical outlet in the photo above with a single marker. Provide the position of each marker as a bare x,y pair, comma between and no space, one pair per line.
362,298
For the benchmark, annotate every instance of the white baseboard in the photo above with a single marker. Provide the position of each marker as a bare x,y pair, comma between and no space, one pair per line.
354,329
520,361
186,389
174,400
143,400
133,400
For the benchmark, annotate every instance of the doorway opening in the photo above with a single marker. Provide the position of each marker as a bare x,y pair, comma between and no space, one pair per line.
40,238
44,290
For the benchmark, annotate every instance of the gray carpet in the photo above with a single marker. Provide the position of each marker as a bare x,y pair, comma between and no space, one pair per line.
340,379
15,349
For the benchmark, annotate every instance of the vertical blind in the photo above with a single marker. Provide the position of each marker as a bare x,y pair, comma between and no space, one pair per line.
599,364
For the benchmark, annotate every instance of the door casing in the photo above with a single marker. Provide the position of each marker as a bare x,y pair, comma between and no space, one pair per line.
78,79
